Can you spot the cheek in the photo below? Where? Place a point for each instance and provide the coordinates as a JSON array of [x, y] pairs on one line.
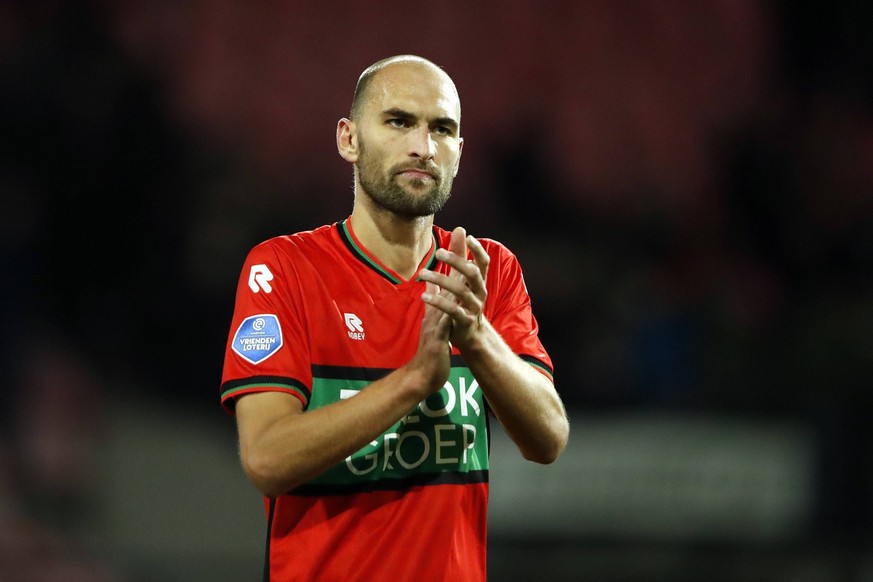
[[451, 157], [375, 154]]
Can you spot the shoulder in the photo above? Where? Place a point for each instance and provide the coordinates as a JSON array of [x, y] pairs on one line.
[[299, 242], [286, 262], [292, 255]]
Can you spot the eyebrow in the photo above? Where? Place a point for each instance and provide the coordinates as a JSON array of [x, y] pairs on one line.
[[401, 114]]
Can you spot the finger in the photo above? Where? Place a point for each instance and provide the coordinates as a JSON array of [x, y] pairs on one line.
[[430, 289], [470, 272], [458, 242], [460, 266], [455, 298], [449, 307], [446, 283], [480, 255], [435, 318], [458, 247]]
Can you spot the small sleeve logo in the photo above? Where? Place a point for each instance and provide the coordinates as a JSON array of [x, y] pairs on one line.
[[258, 337], [259, 279]]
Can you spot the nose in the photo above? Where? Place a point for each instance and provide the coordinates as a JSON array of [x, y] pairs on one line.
[[421, 143]]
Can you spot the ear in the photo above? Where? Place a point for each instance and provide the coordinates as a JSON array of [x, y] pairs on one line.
[[458, 161], [347, 140]]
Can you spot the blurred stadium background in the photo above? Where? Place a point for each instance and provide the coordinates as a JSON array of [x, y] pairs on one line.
[[687, 184]]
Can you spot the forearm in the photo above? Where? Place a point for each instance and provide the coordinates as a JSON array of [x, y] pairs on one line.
[[523, 400], [296, 447]]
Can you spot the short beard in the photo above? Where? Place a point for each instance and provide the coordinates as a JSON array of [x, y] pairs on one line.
[[387, 193]]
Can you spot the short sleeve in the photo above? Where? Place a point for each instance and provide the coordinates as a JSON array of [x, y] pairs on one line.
[[267, 347], [511, 313]]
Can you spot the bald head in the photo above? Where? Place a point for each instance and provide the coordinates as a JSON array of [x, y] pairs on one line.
[[364, 87]]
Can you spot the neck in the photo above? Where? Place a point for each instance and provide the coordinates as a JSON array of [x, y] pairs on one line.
[[399, 242]]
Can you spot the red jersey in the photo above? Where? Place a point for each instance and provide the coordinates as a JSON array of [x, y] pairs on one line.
[[319, 317]]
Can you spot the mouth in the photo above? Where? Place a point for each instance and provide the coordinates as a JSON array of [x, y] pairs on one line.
[[415, 173]]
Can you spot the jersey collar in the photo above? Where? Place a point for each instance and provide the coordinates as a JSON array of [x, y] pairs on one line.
[[348, 237]]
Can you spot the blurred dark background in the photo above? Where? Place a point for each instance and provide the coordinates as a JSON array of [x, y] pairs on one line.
[[686, 183]]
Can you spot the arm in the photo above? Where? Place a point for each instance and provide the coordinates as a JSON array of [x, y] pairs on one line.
[[281, 446], [523, 400]]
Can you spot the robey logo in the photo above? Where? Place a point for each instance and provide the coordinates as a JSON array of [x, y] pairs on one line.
[[355, 325], [259, 278]]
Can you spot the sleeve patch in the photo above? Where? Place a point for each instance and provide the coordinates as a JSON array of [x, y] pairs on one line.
[[258, 337]]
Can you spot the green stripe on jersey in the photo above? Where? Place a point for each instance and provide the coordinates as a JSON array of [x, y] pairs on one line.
[[447, 432]]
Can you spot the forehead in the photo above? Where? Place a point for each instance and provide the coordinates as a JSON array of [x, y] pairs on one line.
[[416, 88]]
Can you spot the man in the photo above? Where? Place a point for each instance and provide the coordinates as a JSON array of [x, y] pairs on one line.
[[365, 358]]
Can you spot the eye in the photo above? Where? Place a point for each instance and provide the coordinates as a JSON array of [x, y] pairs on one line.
[[396, 122], [444, 131]]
